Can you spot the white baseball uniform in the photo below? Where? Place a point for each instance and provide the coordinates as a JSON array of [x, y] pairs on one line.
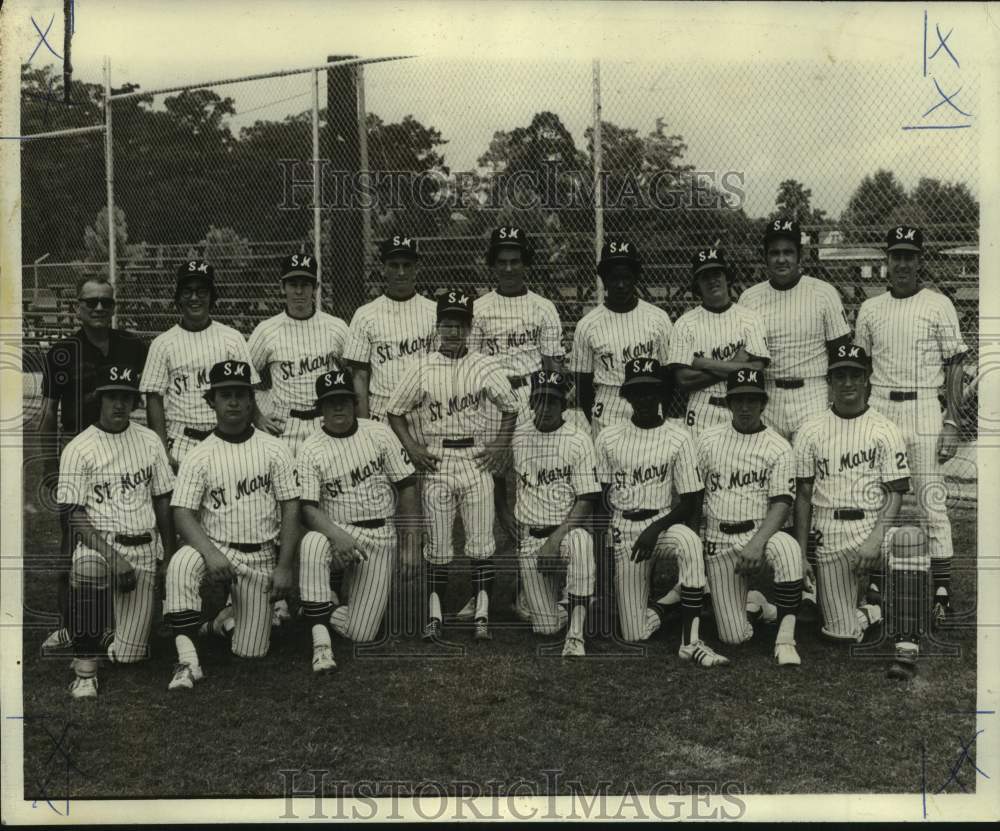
[[646, 469], [177, 368], [604, 341], [552, 470], [451, 393], [719, 335], [352, 480], [235, 487], [909, 339], [850, 461], [296, 352], [743, 474], [798, 321], [114, 477]]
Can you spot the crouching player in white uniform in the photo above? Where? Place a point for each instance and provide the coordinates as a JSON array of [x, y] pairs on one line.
[[749, 475], [351, 471], [556, 488], [115, 481]]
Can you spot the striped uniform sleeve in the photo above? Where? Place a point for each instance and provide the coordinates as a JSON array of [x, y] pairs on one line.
[[156, 375], [782, 482], [407, 396], [357, 344], [804, 454], [585, 466], [397, 463], [894, 467], [163, 474], [581, 356], [551, 339], [946, 330], [75, 474], [754, 337], [863, 328], [498, 389], [189, 489], [310, 472], [602, 457], [283, 474], [703, 456], [666, 330], [243, 354], [259, 346], [341, 333], [477, 334], [687, 479], [681, 351], [834, 318]]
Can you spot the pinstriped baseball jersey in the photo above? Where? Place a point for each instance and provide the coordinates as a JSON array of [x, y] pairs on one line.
[[850, 458], [646, 468], [114, 476], [552, 470], [798, 321], [909, 338], [517, 330], [390, 336], [744, 472], [297, 352], [236, 486], [452, 392], [178, 364], [350, 477], [605, 341]]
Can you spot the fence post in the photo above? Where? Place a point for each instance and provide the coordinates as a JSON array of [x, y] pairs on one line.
[[317, 192], [598, 164], [364, 174], [109, 171]]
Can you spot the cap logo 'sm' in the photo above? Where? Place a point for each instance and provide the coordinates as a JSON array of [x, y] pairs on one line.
[[462, 300], [237, 369], [510, 233], [905, 233], [782, 226], [709, 254], [305, 261], [619, 248], [124, 375], [403, 242], [748, 376], [642, 366]]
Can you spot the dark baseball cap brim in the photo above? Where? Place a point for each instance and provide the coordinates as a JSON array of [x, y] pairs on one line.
[[232, 382], [855, 362], [703, 267], [188, 276], [298, 272], [904, 246], [538, 392], [112, 387], [338, 391], [746, 389], [638, 383], [399, 254]]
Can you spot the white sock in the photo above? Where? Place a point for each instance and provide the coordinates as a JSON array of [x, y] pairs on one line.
[[339, 618], [434, 606], [576, 621], [186, 653], [321, 635], [786, 630], [85, 667], [874, 615], [562, 616], [653, 622], [482, 605]]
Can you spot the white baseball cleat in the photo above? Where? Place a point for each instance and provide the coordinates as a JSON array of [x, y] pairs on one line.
[[323, 659], [280, 613], [468, 611], [185, 676], [573, 648], [701, 654], [57, 641], [786, 654], [482, 632], [83, 687], [758, 604]]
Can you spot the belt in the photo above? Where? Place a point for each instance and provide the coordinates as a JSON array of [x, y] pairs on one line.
[[466, 442], [542, 532], [196, 434], [137, 539], [736, 527], [902, 395], [638, 516], [248, 547], [518, 381], [716, 401], [368, 523], [305, 415], [848, 513], [789, 383]]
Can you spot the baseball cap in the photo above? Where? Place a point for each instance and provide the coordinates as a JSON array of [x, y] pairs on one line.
[[849, 354], [299, 265], [399, 245], [509, 236], [783, 228], [705, 259], [742, 381], [335, 382], [195, 270], [640, 372], [118, 377], [619, 252], [904, 238], [454, 302], [548, 383], [229, 374]]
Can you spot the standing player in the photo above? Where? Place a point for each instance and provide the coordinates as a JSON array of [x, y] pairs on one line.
[[749, 475], [913, 337], [713, 340], [803, 318], [355, 477], [556, 489], [294, 348], [607, 338], [114, 484], [392, 333], [643, 464], [452, 386], [235, 492]]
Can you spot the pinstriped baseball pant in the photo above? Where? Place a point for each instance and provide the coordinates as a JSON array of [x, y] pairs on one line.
[[787, 409], [378, 405], [577, 550], [297, 430], [358, 620], [459, 485]]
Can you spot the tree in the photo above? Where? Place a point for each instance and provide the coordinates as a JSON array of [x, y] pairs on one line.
[[870, 207], [95, 237], [222, 244], [951, 206], [793, 200]]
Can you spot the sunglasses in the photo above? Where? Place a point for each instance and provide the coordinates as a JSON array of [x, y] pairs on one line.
[[94, 302]]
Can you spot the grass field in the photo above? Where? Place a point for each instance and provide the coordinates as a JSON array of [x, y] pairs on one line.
[[499, 712]]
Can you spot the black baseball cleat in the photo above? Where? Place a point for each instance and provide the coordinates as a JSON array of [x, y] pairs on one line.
[[873, 596], [482, 632], [904, 666], [941, 611]]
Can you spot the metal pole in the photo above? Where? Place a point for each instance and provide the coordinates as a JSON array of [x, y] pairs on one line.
[[598, 164], [317, 190], [366, 210], [44, 257], [109, 167]]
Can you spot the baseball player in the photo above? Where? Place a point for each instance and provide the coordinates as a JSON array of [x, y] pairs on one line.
[[451, 386], [851, 472], [642, 465], [555, 472], [392, 333], [114, 483], [713, 340], [607, 338], [749, 476], [803, 318], [913, 337], [355, 477], [232, 492]]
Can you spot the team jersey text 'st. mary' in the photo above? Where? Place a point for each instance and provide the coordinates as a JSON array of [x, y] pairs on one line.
[[849, 459], [646, 468], [517, 330], [799, 321], [909, 338], [744, 472], [114, 476], [296, 352], [451, 392], [605, 341], [551, 470], [351, 477], [236, 486], [389, 335], [178, 365]]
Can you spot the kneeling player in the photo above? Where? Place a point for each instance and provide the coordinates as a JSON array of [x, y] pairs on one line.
[[351, 471], [231, 491], [115, 481], [642, 464], [748, 471], [556, 488]]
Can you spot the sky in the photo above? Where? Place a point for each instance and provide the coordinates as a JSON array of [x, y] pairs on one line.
[[815, 92]]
